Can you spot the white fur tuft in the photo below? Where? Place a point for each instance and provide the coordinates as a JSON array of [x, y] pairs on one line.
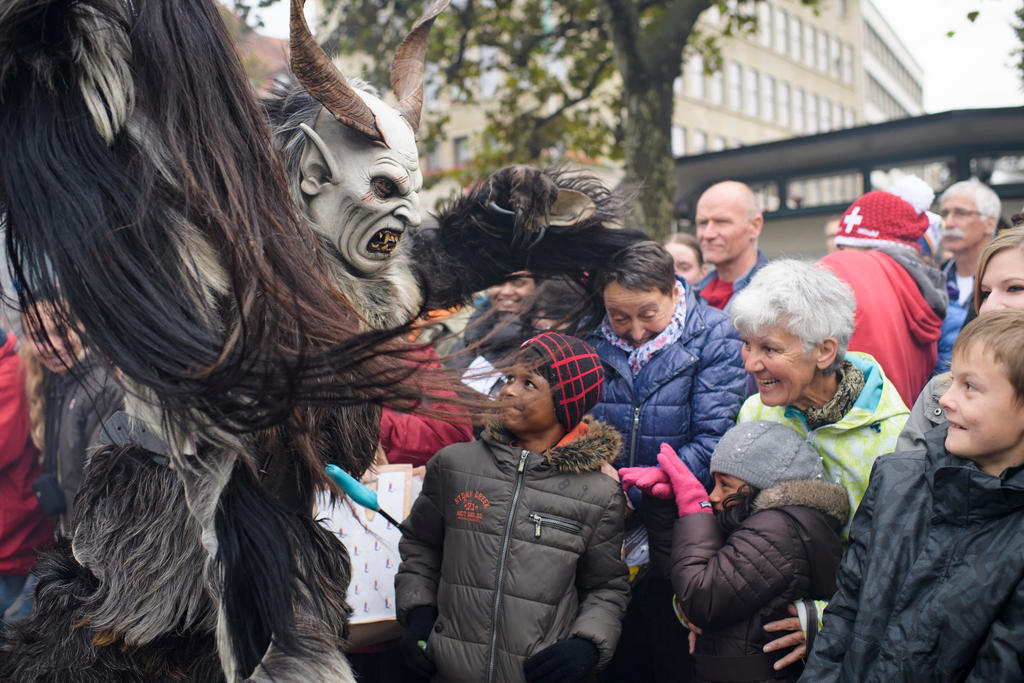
[[913, 191]]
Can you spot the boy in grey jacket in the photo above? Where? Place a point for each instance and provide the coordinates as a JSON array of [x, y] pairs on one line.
[[511, 557]]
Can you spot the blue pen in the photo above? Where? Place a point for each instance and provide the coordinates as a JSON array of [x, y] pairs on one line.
[[357, 492]]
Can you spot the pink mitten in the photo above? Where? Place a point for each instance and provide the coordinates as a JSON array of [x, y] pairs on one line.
[[690, 494], [651, 480]]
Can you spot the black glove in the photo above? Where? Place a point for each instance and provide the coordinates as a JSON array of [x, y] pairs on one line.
[[417, 629], [566, 660]]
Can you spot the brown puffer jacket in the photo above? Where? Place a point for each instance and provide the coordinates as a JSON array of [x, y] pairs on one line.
[[731, 586], [517, 551]]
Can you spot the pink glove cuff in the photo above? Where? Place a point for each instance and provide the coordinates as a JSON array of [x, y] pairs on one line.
[[689, 492]]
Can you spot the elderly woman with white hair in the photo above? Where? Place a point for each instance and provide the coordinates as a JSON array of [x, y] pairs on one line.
[[796, 321]]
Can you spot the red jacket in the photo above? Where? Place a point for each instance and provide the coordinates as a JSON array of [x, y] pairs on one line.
[[23, 526], [893, 322]]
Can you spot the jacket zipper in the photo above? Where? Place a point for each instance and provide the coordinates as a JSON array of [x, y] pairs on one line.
[[501, 562], [540, 520], [632, 438]]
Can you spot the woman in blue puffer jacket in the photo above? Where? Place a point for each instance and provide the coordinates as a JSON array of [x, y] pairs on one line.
[[673, 374]]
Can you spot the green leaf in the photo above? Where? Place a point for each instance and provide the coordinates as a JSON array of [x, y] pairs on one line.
[[971, 16]]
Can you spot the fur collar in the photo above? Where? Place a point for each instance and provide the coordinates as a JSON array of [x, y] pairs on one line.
[[813, 493], [585, 453]]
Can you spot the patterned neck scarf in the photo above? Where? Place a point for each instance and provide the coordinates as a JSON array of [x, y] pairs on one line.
[[851, 383], [639, 355]]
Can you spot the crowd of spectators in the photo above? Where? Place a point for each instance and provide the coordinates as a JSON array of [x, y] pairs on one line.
[[794, 516]]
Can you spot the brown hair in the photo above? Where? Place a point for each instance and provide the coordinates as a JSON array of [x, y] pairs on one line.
[[641, 267], [687, 240], [1009, 239], [1001, 333]]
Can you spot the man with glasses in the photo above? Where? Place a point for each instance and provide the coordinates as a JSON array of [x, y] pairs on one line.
[[970, 210]]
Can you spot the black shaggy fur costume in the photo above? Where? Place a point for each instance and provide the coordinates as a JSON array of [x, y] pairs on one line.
[[140, 191]]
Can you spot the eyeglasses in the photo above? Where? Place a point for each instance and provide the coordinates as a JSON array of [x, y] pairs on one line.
[[958, 213]]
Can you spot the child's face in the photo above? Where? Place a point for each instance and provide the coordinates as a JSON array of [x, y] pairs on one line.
[[531, 408], [725, 486], [986, 423]]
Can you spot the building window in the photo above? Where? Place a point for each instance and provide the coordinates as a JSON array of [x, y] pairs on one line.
[[812, 114], [781, 31], [796, 47], [798, 110], [836, 55], [678, 141], [783, 107], [460, 148], [850, 119], [809, 45], [764, 23], [695, 67], [837, 116], [753, 96], [847, 64], [822, 51], [717, 88], [431, 161], [490, 74], [769, 98], [717, 143], [735, 86], [677, 86], [700, 142], [825, 115]]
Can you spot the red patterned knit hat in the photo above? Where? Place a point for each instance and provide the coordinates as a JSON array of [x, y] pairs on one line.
[[880, 218], [574, 371]]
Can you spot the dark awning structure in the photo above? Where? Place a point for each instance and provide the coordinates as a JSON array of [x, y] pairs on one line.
[[841, 165]]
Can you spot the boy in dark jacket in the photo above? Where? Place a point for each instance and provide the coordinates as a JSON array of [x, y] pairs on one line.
[[511, 567], [930, 588]]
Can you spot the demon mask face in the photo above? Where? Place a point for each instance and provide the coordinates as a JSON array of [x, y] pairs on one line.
[[362, 195], [360, 174]]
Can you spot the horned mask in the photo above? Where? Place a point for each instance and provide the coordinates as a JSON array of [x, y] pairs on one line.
[[360, 174]]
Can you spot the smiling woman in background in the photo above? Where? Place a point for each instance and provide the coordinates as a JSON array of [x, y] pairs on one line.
[[796, 321]]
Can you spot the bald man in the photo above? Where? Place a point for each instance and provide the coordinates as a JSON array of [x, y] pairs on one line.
[[729, 222]]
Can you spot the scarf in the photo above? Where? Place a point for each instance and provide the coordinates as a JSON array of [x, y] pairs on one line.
[[851, 383]]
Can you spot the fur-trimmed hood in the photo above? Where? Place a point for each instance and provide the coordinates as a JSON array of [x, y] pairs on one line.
[[818, 494], [598, 444]]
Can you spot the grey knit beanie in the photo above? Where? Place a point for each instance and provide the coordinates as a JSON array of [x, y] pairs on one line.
[[765, 454]]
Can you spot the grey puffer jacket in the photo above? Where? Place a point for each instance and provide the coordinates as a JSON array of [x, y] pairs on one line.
[[732, 585], [930, 588], [925, 415], [517, 551]]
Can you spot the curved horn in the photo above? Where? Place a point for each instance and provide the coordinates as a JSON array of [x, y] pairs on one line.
[[407, 66], [317, 74]]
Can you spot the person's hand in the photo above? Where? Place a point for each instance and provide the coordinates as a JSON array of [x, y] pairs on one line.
[[651, 480], [566, 660], [794, 638], [691, 638], [689, 492], [417, 630]]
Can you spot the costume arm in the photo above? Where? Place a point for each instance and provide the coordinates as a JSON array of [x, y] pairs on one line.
[[502, 227], [602, 579], [720, 580], [718, 392], [421, 546], [830, 645]]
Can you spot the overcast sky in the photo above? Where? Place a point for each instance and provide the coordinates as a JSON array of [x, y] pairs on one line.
[[971, 69]]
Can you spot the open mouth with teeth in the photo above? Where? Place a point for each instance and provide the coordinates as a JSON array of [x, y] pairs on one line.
[[384, 241]]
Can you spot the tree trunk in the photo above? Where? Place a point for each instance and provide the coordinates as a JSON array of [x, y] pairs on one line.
[[648, 149]]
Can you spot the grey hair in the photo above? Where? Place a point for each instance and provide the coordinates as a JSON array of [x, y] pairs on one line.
[[808, 301], [985, 198]]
